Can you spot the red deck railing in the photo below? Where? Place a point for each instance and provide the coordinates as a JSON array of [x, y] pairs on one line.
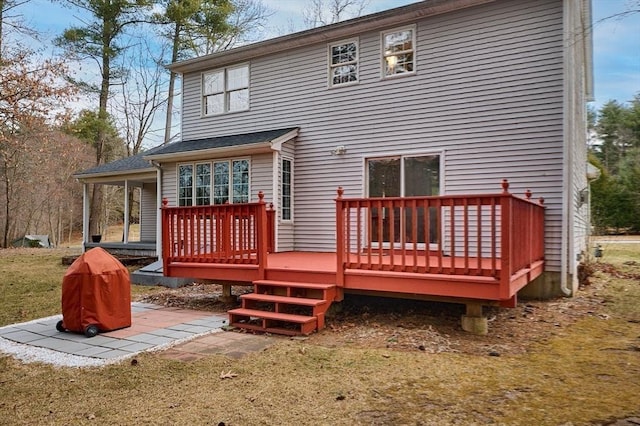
[[225, 233], [483, 235]]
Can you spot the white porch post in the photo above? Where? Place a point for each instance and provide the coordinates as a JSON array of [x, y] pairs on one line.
[[159, 212], [85, 215], [125, 237]]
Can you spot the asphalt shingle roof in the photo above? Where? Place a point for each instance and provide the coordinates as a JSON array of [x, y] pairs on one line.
[[138, 162], [222, 141], [128, 164]]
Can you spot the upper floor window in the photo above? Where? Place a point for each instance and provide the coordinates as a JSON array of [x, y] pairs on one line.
[[343, 62], [225, 90], [217, 182], [398, 51]]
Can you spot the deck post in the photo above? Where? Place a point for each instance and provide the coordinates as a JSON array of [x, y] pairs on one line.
[[506, 245], [340, 241], [166, 241], [262, 236], [474, 321]]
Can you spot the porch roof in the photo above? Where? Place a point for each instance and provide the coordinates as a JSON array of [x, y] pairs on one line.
[[245, 143], [134, 167]]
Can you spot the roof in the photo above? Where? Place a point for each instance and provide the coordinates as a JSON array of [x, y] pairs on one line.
[[128, 165], [247, 142], [384, 19]]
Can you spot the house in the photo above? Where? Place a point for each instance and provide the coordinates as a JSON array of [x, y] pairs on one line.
[[392, 154]]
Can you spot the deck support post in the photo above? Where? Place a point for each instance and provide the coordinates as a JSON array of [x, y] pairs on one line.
[[227, 297], [474, 321]]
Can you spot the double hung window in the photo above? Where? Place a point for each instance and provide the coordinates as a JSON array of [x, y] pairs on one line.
[[343, 63], [398, 52], [225, 90]]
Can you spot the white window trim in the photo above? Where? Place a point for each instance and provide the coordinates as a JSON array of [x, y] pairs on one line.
[[383, 75], [214, 160], [226, 92], [291, 209], [330, 66]]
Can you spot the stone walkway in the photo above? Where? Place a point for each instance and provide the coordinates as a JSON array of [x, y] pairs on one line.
[[181, 333]]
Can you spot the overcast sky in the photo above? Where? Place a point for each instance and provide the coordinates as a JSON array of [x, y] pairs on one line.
[[616, 40]]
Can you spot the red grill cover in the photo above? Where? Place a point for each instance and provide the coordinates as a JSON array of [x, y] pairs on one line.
[[96, 290]]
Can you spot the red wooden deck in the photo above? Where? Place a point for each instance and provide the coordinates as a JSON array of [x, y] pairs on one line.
[[482, 247]]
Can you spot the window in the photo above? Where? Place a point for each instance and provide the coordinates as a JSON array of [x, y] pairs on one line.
[[404, 177], [220, 178], [343, 63], [225, 90], [185, 185], [398, 48], [203, 184], [286, 189]]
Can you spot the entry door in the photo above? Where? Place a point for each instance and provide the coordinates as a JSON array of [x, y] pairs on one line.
[[403, 176]]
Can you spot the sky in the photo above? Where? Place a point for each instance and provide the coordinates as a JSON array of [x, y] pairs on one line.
[[616, 40]]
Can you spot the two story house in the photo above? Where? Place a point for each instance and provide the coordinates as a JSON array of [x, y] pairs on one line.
[[390, 154]]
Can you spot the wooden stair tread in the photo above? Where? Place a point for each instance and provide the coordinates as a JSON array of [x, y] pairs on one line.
[[302, 301], [295, 284], [300, 319]]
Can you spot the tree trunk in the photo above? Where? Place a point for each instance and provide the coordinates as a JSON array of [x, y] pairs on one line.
[[172, 80]]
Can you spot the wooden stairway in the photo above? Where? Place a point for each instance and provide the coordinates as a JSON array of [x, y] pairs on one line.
[[283, 307]]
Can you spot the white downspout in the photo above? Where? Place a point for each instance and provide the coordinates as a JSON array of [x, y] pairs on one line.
[[567, 139]]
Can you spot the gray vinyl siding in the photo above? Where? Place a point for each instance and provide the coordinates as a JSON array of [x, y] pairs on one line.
[[488, 93], [148, 212], [261, 177]]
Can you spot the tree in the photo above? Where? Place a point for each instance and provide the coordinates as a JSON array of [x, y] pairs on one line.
[[325, 12], [201, 27], [100, 40], [13, 21], [179, 24], [616, 194], [31, 92], [611, 130], [141, 98]]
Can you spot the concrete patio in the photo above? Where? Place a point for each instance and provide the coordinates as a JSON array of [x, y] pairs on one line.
[[184, 334]]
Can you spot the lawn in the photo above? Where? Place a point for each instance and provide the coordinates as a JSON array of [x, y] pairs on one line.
[[579, 371]]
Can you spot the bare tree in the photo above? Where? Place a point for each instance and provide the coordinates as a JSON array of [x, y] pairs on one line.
[[30, 95], [325, 12], [245, 25], [142, 97], [9, 18]]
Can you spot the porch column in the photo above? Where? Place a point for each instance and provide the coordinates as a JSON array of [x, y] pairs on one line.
[[125, 236], [159, 212], [85, 215]]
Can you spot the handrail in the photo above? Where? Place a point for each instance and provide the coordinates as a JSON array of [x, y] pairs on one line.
[[224, 233], [479, 235]]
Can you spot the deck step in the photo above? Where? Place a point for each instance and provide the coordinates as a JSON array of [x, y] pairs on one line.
[[270, 298], [284, 307], [273, 322], [313, 286]]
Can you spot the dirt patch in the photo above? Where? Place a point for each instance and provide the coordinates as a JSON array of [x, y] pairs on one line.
[[409, 325]]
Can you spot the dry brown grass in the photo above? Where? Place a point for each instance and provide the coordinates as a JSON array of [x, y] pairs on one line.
[[583, 371]]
